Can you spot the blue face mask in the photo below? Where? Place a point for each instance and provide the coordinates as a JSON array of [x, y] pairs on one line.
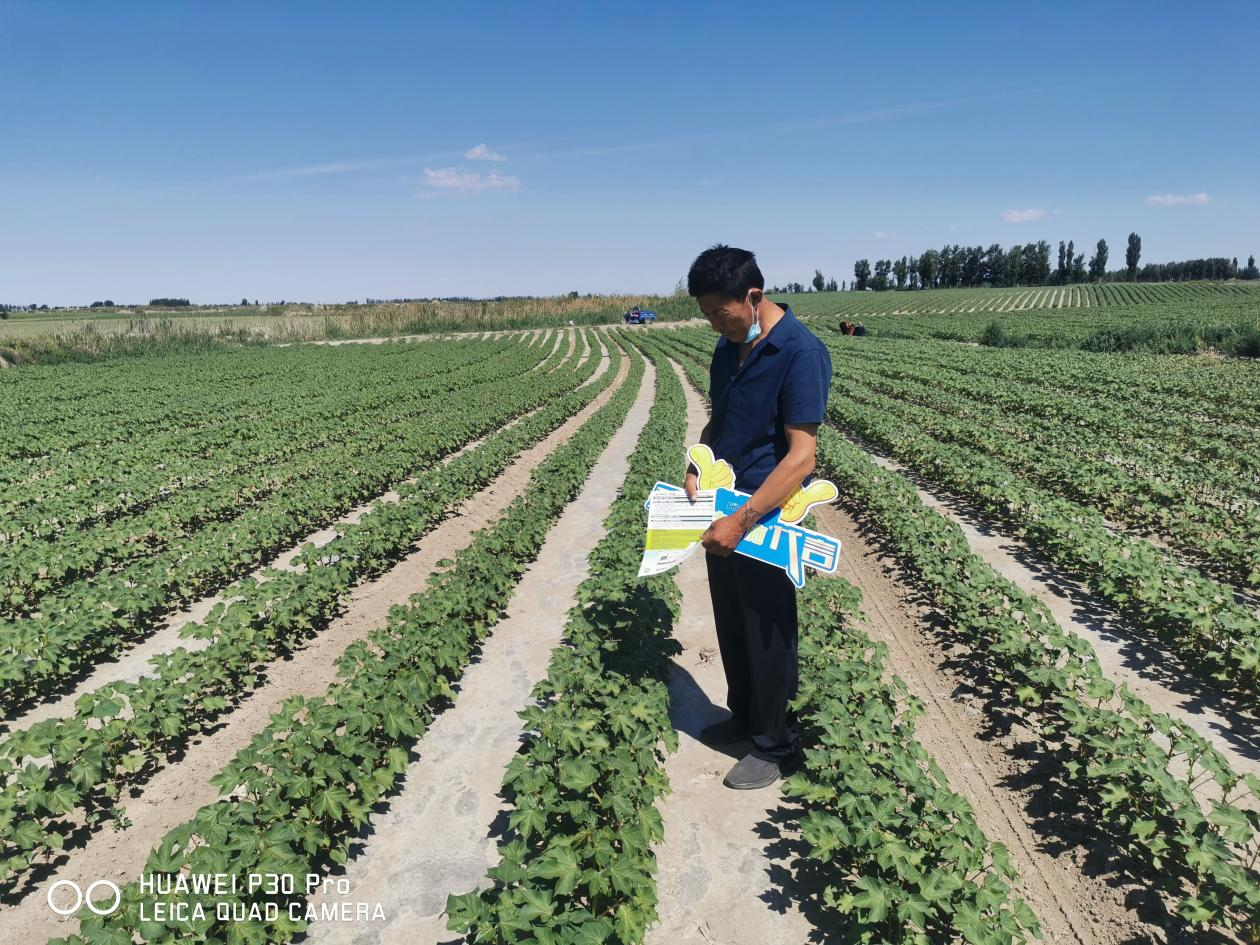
[[754, 330]]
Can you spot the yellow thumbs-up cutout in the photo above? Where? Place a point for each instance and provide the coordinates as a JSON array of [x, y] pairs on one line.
[[799, 503], [713, 473]]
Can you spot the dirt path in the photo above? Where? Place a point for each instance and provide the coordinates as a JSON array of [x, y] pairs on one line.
[[986, 769], [714, 874], [439, 834], [178, 791], [138, 661], [1127, 655]]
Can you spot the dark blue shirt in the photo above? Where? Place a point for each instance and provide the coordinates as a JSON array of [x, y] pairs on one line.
[[784, 380]]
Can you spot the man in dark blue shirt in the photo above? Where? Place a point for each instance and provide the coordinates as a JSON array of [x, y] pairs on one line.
[[768, 384]]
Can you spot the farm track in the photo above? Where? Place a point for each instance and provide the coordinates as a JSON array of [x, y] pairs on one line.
[[177, 791], [435, 839], [715, 874], [134, 664]]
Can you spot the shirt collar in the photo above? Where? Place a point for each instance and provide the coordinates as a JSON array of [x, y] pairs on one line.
[[778, 335]]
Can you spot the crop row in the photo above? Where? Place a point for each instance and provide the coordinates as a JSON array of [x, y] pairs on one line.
[[1127, 396], [294, 799], [65, 415], [1165, 797], [1193, 614], [576, 863], [1038, 386], [1221, 531], [62, 773], [32, 568], [99, 616], [122, 470]]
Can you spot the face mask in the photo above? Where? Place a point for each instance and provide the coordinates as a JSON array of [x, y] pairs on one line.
[[754, 330]]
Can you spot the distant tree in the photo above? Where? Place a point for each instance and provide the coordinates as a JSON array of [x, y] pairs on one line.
[[929, 266], [244, 302], [972, 266], [1251, 272], [1062, 270], [901, 269], [1078, 267], [573, 294], [1132, 254], [172, 303], [861, 274], [882, 268], [819, 281], [832, 286], [1015, 265], [108, 303], [844, 286], [1098, 262], [993, 266]]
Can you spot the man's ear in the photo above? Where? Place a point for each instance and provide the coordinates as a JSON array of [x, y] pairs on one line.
[[755, 296]]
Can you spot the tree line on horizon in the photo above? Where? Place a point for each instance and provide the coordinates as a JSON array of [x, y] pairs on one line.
[[1024, 264]]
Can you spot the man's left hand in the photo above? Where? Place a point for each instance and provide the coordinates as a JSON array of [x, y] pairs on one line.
[[722, 536]]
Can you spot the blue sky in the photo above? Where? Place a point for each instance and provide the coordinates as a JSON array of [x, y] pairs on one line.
[[329, 151]]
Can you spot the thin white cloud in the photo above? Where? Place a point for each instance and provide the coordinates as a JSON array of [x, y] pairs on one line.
[[483, 153], [1173, 200], [880, 235], [1023, 216], [450, 180], [342, 167]]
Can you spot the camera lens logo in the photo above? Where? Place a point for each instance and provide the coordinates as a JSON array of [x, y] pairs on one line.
[[80, 897]]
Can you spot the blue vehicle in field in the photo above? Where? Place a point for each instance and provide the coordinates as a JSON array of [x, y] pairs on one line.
[[638, 316]]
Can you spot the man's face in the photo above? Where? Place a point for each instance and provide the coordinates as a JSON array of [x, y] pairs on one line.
[[730, 318]]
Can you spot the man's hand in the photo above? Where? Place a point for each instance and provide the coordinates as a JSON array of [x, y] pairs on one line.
[[722, 536], [691, 483]]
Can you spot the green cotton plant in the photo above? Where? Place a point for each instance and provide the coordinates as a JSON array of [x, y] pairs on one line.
[[1196, 834], [1117, 461], [901, 853], [294, 799], [1195, 615], [123, 732], [103, 614], [577, 865], [83, 515]]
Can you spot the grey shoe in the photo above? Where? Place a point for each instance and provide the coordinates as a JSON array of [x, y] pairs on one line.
[[751, 772], [726, 732]]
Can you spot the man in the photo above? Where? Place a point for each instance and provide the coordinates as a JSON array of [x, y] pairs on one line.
[[768, 383]]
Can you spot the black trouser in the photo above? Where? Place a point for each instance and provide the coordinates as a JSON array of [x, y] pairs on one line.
[[754, 608]]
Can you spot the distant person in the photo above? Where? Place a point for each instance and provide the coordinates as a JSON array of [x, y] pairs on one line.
[[859, 329], [846, 327], [768, 382]]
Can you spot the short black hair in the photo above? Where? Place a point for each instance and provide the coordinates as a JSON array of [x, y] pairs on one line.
[[728, 271]]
